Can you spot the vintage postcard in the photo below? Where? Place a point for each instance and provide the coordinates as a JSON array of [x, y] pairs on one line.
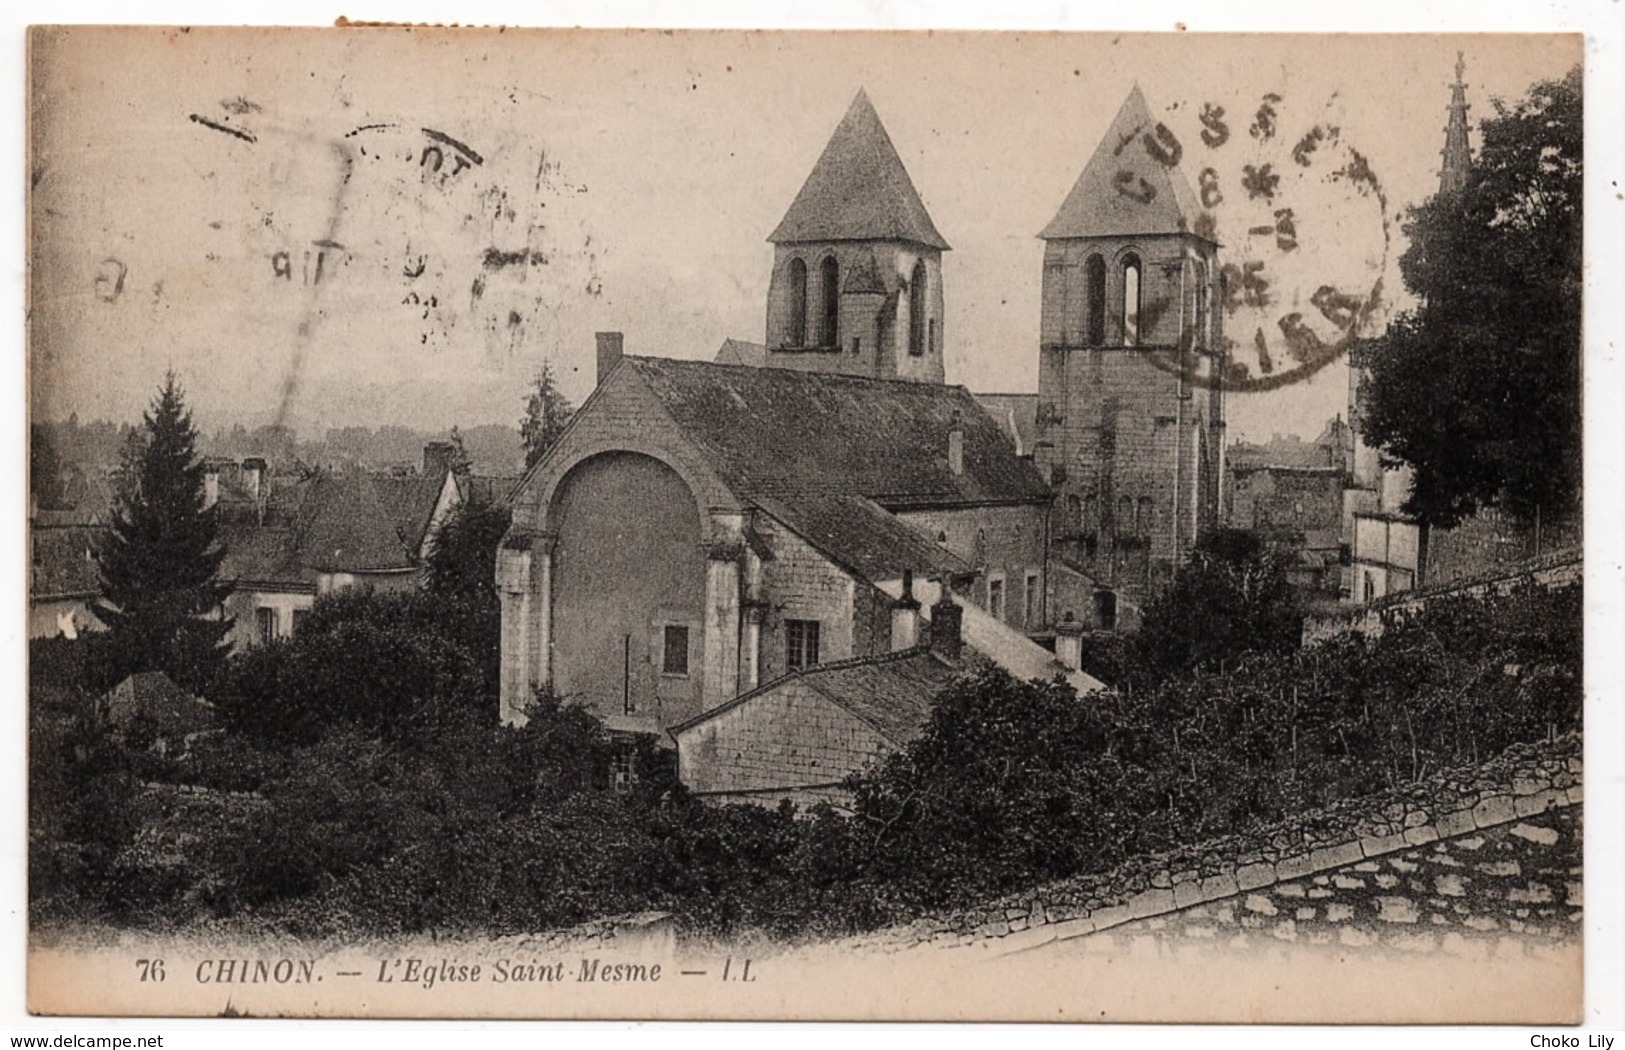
[[780, 525]]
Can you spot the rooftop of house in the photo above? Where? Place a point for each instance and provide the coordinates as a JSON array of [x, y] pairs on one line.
[[1125, 189], [63, 562], [892, 694], [1329, 451], [859, 190]]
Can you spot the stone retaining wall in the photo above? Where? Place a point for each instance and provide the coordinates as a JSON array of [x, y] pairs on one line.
[[1555, 571], [1524, 782]]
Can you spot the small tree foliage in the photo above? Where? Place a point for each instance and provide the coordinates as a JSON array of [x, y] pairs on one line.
[[1231, 597], [160, 597]]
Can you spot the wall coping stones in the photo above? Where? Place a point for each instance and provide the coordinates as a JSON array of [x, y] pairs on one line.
[[1513, 785]]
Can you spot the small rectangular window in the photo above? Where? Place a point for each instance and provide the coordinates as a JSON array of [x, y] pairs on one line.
[[800, 643], [1031, 602], [299, 618], [674, 651], [265, 624], [995, 598]]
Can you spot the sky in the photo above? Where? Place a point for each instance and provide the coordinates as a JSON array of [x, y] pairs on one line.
[[363, 227]]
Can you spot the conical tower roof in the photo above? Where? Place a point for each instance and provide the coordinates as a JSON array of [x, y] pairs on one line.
[[858, 190], [1124, 190]]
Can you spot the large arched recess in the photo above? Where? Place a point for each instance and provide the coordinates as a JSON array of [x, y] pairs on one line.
[[628, 562]]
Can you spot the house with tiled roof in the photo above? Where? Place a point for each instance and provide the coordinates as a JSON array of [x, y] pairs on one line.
[[290, 538], [800, 736]]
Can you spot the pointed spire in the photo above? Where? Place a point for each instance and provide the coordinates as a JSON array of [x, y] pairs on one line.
[[858, 190], [1132, 185], [1458, 155]]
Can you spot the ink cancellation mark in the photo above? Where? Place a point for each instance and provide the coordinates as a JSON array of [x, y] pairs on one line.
[[1308, 229]]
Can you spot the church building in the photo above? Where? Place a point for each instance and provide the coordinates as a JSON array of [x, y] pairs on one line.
[[1133, 447], [703, 530]]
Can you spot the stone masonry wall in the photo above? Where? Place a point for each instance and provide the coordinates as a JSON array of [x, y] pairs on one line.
[[799, 583], [1003, 541], [1401, 858], [1560, 569], [785, 736]]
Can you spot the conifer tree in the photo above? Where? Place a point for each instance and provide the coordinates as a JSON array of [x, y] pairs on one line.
[[547, 413], [160, 597]]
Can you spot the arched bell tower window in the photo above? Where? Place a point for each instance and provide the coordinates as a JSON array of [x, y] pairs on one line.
[[1095, 288], [1131, 300], [917, 310], [797, 335], [829, 301]]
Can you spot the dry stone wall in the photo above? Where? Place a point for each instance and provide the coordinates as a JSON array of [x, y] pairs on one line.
[[1505, 833]]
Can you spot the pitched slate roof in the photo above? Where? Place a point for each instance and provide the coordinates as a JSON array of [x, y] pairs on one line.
[[410, 502], [862, 536], [858, 190], [63, 566], [778, 433], [741, 352], [893, 693], [1017, 414], [345, 527], [1124, 190]]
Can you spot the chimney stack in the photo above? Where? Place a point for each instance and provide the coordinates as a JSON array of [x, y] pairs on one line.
[[254, 477], [1069, 642], [956, 447], [211, 484], [947, 622], [905, 617], [609, 354]]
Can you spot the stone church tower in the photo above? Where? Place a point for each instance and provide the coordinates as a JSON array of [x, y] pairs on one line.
[[857, 265], [1134, 449]]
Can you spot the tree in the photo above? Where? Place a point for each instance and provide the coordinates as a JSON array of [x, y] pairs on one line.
[[460, 575], [160, 598], [547, 413], [1231, 597], [1478, 387]]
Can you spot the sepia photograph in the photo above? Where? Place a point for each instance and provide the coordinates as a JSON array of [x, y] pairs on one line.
[[787, 525]]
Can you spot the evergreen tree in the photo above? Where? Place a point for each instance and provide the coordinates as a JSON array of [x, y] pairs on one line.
[[547, 413], [160, 598]]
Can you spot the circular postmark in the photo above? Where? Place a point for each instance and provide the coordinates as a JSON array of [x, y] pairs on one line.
[[1303, 226]]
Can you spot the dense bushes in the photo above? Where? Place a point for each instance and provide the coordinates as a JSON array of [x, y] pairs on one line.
[[403, 807]]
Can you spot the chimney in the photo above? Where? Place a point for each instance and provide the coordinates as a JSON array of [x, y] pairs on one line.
[[1069, 642], [211, 484], [905, 617], [609, 353], [947, 620], [254, 477], [437, 457], [956, 447]]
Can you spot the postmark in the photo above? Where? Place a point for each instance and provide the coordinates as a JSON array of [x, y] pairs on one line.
[[1304, 225]]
